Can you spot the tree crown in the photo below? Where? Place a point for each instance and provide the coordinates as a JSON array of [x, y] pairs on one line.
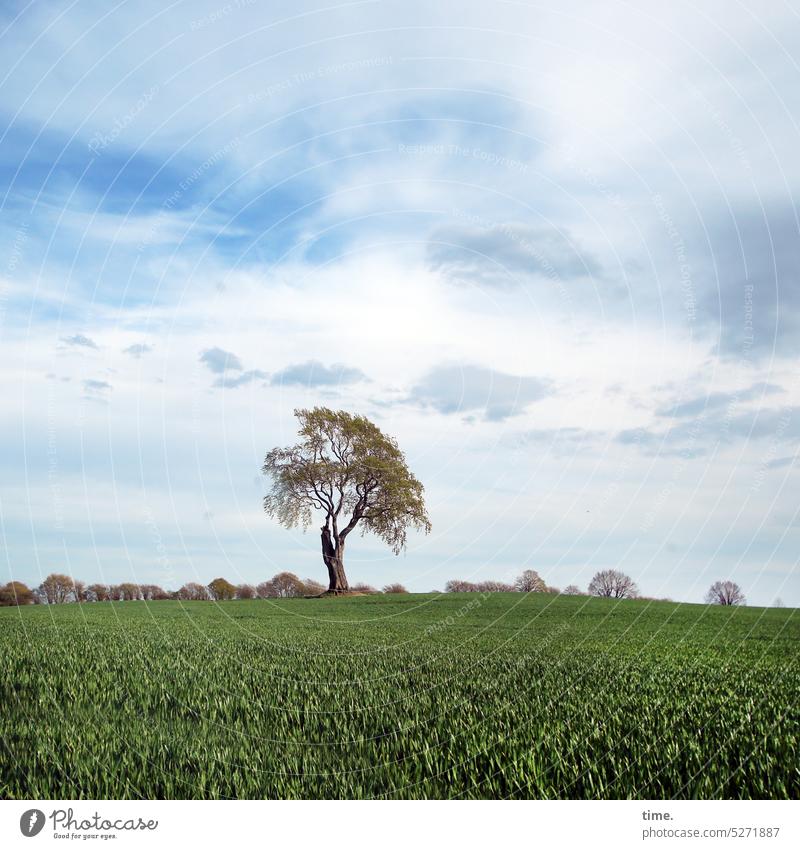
[[345, 466]]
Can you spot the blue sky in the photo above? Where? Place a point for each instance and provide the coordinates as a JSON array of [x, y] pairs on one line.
[[552, 248]]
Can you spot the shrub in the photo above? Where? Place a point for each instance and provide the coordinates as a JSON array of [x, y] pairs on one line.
[[312, 587], [222, 589], [15, 593], [367, 589], [457, 586]]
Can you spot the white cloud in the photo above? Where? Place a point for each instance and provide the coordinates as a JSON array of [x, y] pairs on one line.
[[621, 171], [220, 361]]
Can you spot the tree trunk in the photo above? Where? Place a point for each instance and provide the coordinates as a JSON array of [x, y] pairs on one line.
[[334, 561]]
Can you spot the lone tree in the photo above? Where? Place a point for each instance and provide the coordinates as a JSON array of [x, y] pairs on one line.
[[725, 592], [345, 467], [611, 583]]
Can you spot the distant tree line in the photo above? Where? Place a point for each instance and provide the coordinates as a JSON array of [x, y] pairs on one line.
[[528, 582], [62, 589], [607, 583]]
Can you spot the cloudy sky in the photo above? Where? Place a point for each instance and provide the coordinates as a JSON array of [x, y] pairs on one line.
[[551, 247]]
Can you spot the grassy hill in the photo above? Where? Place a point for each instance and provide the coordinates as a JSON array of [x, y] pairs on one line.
[[461, 695]]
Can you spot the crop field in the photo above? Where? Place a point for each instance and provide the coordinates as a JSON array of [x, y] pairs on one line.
[[406, 696]]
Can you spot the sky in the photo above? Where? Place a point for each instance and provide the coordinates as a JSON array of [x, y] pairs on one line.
[[551, 248]]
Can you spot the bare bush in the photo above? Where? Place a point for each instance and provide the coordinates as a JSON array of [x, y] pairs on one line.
[[312, 587], [193, 592], [130, 592], [457, 586], [494, 587], [98, 592]]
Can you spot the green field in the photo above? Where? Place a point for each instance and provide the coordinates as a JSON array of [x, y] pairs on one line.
[[415, 696]]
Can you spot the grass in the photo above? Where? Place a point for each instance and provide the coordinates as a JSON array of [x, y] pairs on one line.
[[432, 696]]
